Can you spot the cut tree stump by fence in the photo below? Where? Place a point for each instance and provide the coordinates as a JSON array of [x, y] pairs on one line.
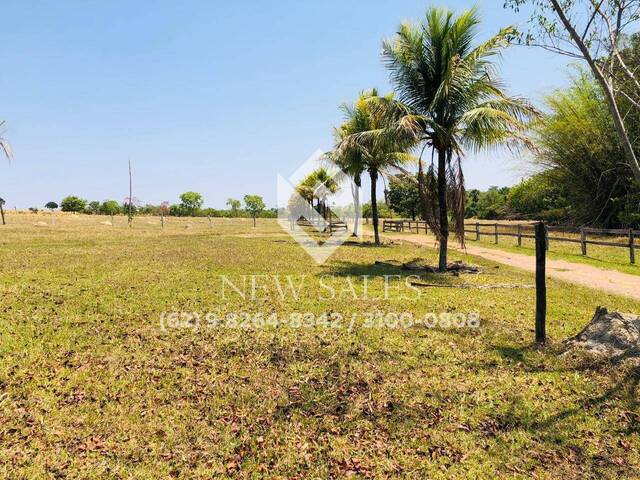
[[541, 285], [632, 247]]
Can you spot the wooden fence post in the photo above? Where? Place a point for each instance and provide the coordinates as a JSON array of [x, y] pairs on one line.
[[632, 247], [583, 240], [496, 232], [477, 230], [519, 235], [541, 286]]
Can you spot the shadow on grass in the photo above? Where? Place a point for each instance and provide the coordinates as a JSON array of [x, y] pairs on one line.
[[351, 269]]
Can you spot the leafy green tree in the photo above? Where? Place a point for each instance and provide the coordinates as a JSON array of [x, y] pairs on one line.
[[403, 196], [581, 153], [51, 205], [383, 211], [458, 102], [191, 202], [471, 203], [73, 204], [492, 203], [254, 204], [110, 207], [92, 208]]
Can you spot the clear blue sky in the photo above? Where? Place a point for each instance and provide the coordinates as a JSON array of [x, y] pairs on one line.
[[211, 96]]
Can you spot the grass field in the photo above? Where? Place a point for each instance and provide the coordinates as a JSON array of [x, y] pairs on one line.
[[93, 386]]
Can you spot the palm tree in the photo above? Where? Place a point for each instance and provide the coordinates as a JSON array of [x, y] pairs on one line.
[[351, 163], [324, 185], [377, 131], [458, 104]]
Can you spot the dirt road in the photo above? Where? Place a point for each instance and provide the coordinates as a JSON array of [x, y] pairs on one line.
[[607, 280]]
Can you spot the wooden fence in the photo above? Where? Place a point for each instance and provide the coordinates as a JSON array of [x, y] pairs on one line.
[[477, 230]]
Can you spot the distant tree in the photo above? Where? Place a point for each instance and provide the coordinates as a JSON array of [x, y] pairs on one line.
[[73, 204], [538, 197], [164, 210], [92, 208], [471, 203], [52, 206], [191, 202], [492, 203], [110, 207], [234, 205], [383, 211], [254, 204], [403, 196]]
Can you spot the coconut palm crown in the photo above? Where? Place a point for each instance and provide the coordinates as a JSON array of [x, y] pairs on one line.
[[450, 84]]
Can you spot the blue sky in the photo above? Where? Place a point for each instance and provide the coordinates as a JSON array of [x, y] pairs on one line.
[[211, 96]]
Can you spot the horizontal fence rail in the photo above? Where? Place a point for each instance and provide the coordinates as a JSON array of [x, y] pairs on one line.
[[624, 238]]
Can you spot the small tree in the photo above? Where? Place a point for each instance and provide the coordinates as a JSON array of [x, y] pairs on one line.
[[73, 204], [164, 210], [403, 196], [234, 205], [191, 202], [93, 207], [254, 204], [52, 206], [110, 207]]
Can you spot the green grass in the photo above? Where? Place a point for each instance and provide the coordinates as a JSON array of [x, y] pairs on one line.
[[92, 387]]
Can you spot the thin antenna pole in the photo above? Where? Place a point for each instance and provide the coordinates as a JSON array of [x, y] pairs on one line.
[[130, 194]]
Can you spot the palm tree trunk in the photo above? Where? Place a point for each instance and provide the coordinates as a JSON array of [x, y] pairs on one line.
[[355, 190], [422, 191], [374, 205], [442, 207]]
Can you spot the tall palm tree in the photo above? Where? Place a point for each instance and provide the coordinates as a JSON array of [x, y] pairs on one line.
[[379, 133], [458, 103]]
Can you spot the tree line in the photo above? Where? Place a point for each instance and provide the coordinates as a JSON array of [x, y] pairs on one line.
[[190, 205]]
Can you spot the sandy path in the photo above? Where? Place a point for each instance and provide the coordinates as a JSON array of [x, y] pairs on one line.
[[607, 280]]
